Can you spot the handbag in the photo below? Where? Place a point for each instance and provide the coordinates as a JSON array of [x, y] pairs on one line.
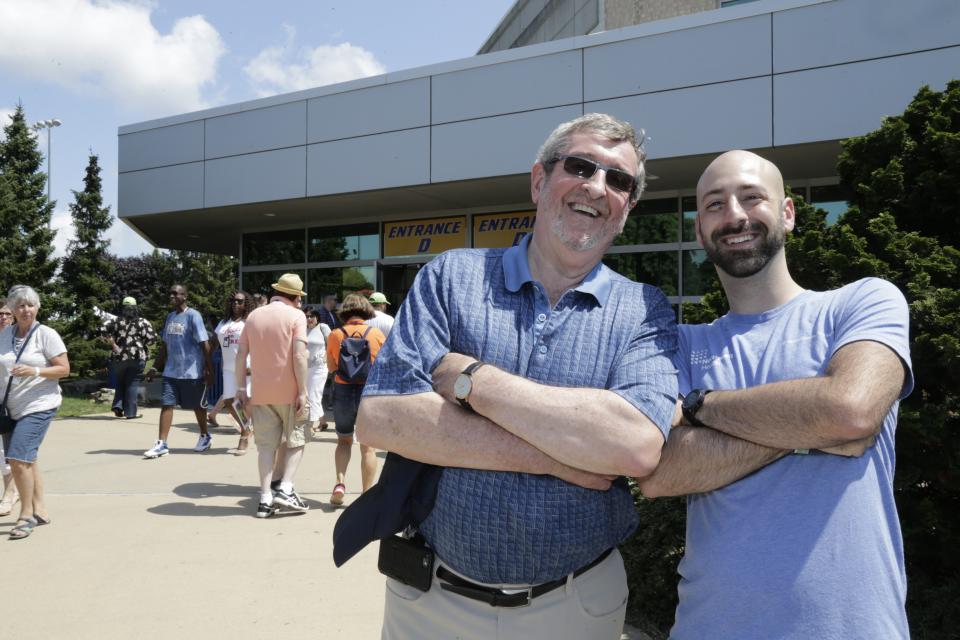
[[7, 423]]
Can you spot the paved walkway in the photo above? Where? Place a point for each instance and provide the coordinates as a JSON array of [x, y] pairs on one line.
[[170, 548]]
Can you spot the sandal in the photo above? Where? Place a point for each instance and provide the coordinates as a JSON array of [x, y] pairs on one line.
[[23, 530], [41, 520], [336, 498]]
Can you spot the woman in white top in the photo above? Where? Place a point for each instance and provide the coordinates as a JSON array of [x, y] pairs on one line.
[[32, 359], [228, 330], [317, 334]]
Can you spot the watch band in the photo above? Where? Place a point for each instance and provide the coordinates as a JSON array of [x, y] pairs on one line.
[[469, 371], [691, 405]]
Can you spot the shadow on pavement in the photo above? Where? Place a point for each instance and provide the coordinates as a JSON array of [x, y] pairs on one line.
[[213, 490], [139, 452], [245, 507]]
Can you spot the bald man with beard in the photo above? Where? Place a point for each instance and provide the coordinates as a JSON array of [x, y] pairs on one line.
[[785, 447]]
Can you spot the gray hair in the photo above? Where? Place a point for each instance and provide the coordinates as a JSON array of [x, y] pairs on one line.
[[22, 293], [601, 124]]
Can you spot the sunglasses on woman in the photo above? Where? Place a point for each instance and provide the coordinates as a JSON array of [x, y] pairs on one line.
[[585, 168]]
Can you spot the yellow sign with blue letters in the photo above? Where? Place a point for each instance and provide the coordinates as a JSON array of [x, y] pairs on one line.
[[423, 237], [496, 230]]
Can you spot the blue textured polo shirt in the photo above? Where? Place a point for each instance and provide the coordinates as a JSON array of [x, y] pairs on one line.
[[607, 333]]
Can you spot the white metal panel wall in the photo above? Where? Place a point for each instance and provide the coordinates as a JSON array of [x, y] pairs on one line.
[[851, 99], [256, 177], [162, 146], [391, 107], [387, 160], [499, 146], [842, 31], [705, 119], [714, 53], [276, 127], [508, 87], [173, 188]]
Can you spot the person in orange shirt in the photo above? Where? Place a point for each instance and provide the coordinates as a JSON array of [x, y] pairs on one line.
[[352, 362]]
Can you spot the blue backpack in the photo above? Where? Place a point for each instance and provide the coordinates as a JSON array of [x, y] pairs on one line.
[[354, 363]]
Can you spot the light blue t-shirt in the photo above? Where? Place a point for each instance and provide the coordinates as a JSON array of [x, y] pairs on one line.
[[606, 333], [183, 333], [810, 545]]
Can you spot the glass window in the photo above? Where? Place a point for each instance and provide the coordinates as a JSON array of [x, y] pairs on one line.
[[689, 206], [340, 281], [273, 247], [345, 242], [650, 222], [658, 268], [831, 198], [698, 273], [260, 281]]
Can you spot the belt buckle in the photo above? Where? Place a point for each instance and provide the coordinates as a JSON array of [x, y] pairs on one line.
[[529, 597], [528, 592]]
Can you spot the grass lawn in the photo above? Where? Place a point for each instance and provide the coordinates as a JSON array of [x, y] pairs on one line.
[[73, 407]]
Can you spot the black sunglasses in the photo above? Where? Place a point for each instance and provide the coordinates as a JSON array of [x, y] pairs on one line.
[[585, 168]]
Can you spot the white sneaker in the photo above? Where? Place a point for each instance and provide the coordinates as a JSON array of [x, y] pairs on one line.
[[203, 443], [159, 449]]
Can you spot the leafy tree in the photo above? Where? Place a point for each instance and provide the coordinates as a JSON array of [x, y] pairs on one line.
[[87, 272], [901, 227], [26, 249]]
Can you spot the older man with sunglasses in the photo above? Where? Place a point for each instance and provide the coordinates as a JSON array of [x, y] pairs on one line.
[[536, 378]]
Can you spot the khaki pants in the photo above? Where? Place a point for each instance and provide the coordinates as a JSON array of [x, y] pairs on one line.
[[590, 607], [276, 423]]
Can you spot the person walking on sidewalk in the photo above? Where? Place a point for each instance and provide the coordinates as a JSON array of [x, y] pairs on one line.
[[317, 335], [381, 319], [348, 386], [32, 359], [228, 330], [129, 337], [184, 359], [275, 338]]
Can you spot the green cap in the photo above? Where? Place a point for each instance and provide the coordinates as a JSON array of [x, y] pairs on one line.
[[129, 301], [378, 298]]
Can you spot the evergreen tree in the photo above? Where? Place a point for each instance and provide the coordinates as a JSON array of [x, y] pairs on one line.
[[26, 239], [87, 272]]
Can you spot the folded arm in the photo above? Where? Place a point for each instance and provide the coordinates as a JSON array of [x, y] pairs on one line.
[[846, 404], [428, 428], [592, 429]]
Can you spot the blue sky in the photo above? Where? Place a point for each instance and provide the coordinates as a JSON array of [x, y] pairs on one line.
[[100, 64]]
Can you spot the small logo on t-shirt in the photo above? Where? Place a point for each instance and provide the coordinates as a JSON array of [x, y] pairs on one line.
[[176, 329]]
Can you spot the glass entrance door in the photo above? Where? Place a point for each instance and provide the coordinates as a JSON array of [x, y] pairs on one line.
[[396, 280]]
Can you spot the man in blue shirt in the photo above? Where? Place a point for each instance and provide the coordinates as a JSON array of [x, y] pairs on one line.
[[184, 359], [785, 540], [535, 376]]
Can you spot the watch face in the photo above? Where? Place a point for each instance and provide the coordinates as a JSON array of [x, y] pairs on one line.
[[462, 386]]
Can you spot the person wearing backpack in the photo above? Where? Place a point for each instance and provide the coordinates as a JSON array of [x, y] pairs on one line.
[[351, 351]]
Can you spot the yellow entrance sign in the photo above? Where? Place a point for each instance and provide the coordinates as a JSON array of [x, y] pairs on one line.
[[419, 237], [495, 230]]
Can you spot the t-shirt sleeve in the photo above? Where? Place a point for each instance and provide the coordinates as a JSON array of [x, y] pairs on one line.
[[199, 330], [300, 328], [645, 375], [52, 344], [681, 359], [874, 309], [419, 339], [149, 335]]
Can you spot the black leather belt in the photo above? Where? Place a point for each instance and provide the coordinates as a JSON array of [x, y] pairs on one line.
[[496, 597]]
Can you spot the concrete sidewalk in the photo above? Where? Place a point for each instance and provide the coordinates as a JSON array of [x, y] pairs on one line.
[[170, 548]]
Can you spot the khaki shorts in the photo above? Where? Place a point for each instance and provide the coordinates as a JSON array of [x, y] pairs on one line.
[[275, 423]]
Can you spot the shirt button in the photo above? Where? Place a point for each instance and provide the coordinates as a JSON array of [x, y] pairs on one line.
[[542, 317], [543, 348]]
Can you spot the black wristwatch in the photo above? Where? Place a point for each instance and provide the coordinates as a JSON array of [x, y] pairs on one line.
[[463, 385], [692, 403]]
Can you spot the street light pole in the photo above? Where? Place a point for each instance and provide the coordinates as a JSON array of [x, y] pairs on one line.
[[48, 125]]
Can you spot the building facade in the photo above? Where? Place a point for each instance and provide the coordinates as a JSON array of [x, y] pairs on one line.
[[354, 186]]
